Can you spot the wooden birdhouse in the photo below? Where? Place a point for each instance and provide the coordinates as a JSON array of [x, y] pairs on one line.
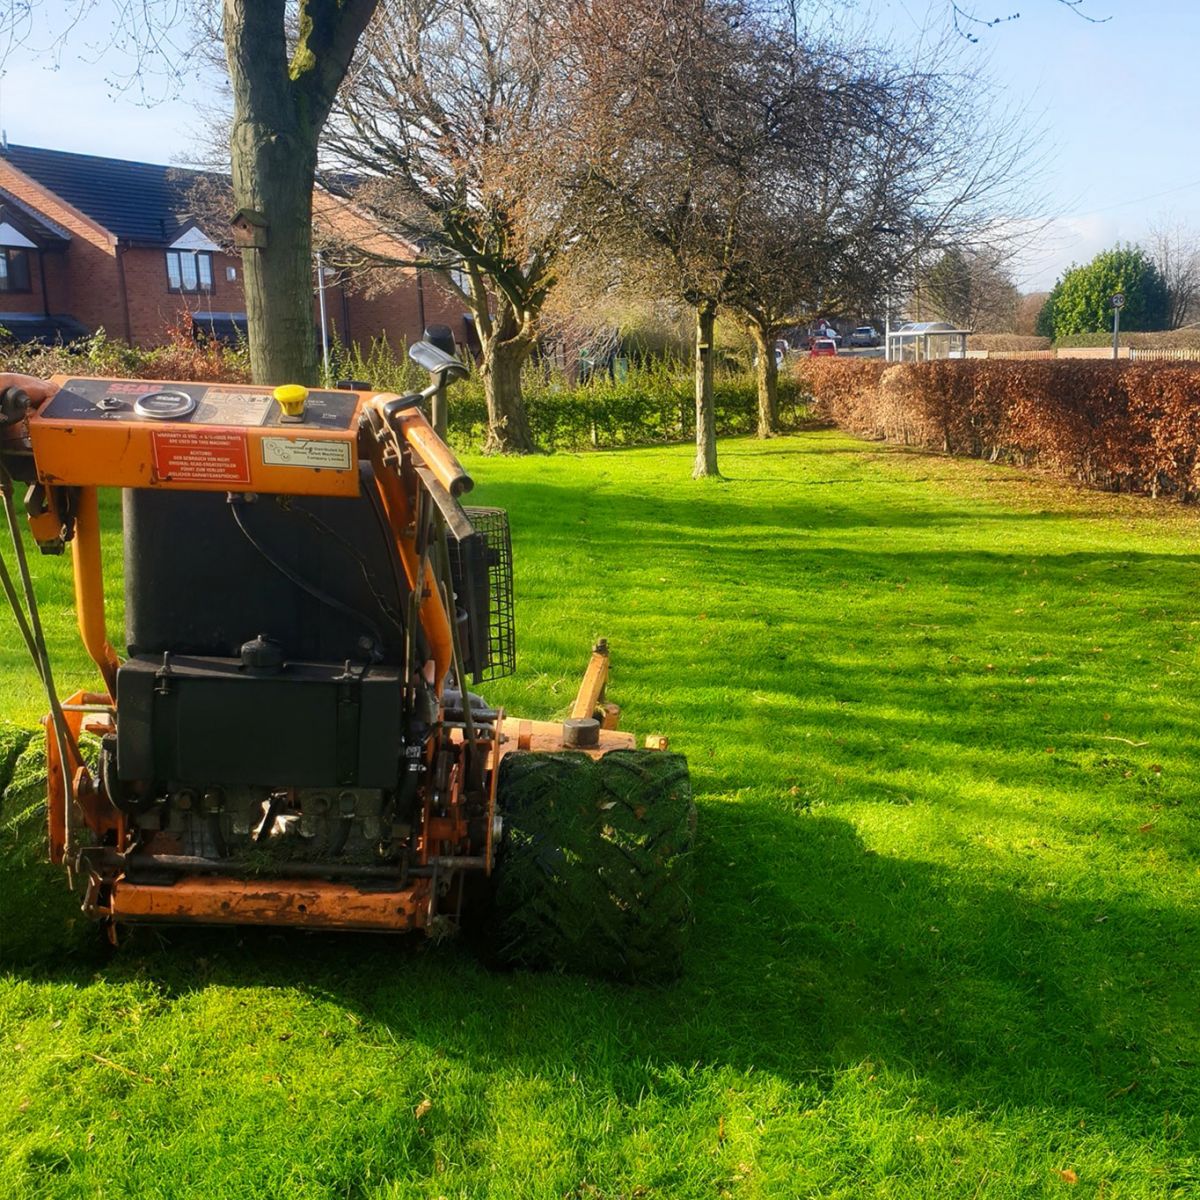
[[249, 229]]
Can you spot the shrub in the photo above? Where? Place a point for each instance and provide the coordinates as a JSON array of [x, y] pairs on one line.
[[1006, 341], [1123, 426], [650, 402], [1080, 300], [1164, 339]]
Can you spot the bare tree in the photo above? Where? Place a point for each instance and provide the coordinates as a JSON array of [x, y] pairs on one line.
[[1176, 252], [1029, 306], [286, 61], [833, 221], [455, 128], [680, 128], [967, 288], [781, 171]]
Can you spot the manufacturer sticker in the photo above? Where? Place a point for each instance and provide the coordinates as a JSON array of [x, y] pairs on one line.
[[306, 452], [201, 456]]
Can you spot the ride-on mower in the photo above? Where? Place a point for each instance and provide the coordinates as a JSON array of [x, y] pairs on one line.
[[290, 739]]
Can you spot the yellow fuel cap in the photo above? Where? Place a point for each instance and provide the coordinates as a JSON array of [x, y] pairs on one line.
[[291, 398]]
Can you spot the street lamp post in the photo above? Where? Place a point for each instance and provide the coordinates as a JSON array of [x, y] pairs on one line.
[[324, 321]]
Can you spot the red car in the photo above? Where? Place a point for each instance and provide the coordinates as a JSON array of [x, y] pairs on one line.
[[822, 347]]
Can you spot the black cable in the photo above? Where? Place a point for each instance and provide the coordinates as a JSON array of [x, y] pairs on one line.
[[305, 586], [354, 553]]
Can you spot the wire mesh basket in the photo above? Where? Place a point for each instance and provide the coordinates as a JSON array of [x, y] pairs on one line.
[[492, 523]]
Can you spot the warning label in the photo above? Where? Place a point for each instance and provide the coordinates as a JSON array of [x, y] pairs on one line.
[[201, 456], [306, 452]]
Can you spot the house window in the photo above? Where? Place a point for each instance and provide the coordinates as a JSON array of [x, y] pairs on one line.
[[189, 271], [14, 270]]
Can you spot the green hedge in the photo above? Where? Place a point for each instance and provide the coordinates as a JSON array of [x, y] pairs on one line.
[[649, 402], [1168, 339]]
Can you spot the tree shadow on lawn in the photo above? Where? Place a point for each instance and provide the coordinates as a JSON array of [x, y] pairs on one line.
[[544, 509]]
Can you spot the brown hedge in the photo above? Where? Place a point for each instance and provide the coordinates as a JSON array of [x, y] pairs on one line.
[[1119, 426]]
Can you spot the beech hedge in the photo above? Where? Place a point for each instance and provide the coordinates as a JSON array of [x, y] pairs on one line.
[[1117, 426]]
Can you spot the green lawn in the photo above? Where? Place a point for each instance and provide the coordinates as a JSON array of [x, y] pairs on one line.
[[944, 729]]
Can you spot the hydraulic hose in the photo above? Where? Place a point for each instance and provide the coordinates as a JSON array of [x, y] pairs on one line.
[[30, 624]]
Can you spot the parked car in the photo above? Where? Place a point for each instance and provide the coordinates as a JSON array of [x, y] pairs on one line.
[[864, 335], [823, 348], [822, 329]]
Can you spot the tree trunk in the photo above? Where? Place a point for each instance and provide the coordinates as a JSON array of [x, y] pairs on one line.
[[279, 109], [273, 175], [706, 420], [508, 427], [273, 154], [768, 382]]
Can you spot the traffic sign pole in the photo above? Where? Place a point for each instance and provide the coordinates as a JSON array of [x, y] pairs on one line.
[[1118, 302]]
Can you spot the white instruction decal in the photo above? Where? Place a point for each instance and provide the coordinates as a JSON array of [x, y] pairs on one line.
[[232, 408], [306, 452]]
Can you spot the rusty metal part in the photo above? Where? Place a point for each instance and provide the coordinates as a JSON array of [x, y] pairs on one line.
[[111, 861], [91, 805], [311, 904], [591, 688], [547, 736]]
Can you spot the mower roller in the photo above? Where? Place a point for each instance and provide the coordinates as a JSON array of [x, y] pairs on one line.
[[290, 738]]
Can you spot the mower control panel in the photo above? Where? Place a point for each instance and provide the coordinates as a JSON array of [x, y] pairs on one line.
[[194, 403], [198, 437]]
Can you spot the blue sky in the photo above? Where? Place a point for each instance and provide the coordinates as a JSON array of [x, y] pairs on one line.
[[1119, 103]]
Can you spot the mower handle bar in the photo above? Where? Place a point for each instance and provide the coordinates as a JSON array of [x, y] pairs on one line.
[[403, 415]]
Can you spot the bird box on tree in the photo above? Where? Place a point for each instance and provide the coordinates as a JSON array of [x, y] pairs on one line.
[[249, 229]]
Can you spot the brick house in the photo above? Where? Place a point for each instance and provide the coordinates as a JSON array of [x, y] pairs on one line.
[[89, 243]]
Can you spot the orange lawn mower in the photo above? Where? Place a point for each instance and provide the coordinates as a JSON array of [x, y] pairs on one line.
[[290, 739]]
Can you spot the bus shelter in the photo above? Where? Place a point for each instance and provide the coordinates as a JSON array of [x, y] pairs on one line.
[[920, 341]]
